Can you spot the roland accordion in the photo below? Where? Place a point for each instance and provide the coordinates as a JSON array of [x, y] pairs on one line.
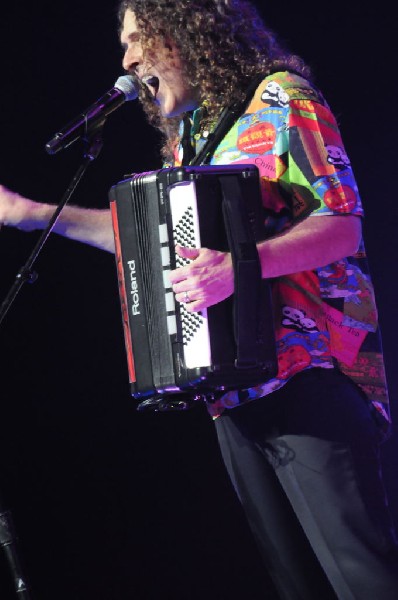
[[175, 357]]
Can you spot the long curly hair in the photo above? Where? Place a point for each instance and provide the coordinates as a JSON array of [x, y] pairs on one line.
[[223, 45]]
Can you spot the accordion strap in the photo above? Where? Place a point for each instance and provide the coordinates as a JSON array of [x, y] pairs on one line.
[[247, 272], [227, 119]]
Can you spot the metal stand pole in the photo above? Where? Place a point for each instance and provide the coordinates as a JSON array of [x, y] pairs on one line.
[[26, 273], [8, 542]]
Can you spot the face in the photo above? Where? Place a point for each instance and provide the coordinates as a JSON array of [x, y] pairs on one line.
[[161, 71]]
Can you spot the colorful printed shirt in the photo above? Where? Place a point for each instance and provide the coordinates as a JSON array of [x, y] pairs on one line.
[[325, 317]]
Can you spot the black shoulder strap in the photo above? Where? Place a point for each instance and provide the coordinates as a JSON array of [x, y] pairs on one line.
[[247, 274], [227, 119]]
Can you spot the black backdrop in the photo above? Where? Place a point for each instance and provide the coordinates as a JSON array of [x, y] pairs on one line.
[[109, 503]]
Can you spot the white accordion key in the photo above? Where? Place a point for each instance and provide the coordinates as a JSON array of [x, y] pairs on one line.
[[169, 294]]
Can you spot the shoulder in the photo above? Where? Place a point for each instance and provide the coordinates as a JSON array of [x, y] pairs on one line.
[[279, 89]]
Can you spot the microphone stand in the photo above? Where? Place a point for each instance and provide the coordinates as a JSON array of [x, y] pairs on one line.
[[93, 144], [26, 274]]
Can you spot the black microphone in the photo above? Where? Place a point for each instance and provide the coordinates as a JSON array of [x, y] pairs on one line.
[[126, 88]]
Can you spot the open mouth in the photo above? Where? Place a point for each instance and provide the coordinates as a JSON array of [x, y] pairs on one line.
[[152, 83]]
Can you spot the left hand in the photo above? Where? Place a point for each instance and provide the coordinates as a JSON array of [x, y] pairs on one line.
[[207, 280]]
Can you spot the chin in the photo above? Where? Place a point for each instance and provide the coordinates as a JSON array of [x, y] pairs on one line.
[[171, 112], [175, 109]]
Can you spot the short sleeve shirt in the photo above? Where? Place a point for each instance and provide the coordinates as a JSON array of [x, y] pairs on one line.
[[327, 316]]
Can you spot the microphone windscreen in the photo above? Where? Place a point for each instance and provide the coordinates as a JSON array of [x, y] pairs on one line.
[[129, 85]]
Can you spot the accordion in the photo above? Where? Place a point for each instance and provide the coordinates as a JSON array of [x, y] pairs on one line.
[[175, 357]]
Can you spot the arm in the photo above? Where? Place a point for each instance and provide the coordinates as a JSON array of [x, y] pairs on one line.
[[315, 242], [90, 226]]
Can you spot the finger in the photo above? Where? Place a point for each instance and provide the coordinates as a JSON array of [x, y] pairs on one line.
[[178, 275], [184, 297], [190, 304], [179, 288], [195, 306], [185, 252]]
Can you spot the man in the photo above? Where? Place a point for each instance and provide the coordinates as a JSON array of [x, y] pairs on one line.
[[301, 449]]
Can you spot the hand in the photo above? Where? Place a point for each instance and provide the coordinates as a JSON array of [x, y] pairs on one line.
[[17, 211], [207, 280]]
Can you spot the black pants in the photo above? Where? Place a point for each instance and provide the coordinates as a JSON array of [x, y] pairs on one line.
[[305, 464]]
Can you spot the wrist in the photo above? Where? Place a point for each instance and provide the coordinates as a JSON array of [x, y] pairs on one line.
[[28, 215]]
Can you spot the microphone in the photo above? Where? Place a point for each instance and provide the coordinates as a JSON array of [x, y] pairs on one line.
[[126, 88]]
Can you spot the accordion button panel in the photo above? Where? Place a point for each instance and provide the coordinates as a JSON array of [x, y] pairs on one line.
[[186, 232]]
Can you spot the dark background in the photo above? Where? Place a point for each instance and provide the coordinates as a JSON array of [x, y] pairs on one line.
[[109, 503]]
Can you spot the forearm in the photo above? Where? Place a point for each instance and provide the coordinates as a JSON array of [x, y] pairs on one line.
[[209, 277], [89, 226], [313, 243]]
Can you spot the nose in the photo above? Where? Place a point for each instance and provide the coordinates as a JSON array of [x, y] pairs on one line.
[[131, 60]]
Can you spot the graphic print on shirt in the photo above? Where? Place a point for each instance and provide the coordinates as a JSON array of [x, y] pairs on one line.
[[289, 132]]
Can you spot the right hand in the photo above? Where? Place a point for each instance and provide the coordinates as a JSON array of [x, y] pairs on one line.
[[17, 211]]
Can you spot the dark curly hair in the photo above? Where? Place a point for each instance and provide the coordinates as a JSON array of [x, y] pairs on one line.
[[223, 44]]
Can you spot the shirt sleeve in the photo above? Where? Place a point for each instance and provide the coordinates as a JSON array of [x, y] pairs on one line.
[[317, 160], [289, 132]]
